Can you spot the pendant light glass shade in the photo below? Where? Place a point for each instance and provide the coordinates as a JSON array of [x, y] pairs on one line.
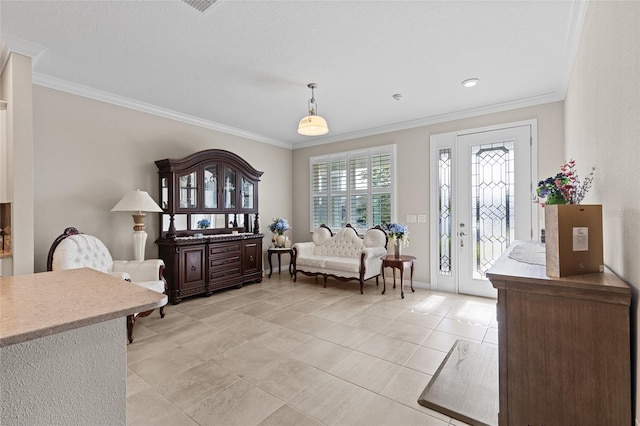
[[313, 124]]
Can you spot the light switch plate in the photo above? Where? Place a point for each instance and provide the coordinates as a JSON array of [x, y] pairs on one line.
[[410, 218], [422, 218]]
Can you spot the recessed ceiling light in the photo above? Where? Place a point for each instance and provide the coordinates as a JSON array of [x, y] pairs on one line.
[[470, 82]]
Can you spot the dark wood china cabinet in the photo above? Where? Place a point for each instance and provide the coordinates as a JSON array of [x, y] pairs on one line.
[[209, 229]]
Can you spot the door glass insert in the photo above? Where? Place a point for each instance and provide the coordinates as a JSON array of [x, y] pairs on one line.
[[444, 210], [492, 203], [211, 187]]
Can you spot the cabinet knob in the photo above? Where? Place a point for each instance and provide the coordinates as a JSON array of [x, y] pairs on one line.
[[193, 267], [251, 258]]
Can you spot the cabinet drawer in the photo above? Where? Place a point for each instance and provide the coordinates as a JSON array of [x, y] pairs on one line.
[[224, 274], [222, 261], [224, 268], [218, 249]]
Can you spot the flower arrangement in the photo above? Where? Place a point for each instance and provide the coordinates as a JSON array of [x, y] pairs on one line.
[[203, 224], [398, 233], [279, 226], [565, 187]]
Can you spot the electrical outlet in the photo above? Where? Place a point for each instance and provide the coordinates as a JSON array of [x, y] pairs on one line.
[[422, 218], [410, 218]]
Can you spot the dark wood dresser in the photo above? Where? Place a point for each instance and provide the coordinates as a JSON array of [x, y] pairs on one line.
[[202, 265], [564, 344], [209, 228]]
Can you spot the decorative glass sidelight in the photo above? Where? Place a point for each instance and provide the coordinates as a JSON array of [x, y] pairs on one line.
[[493, 206], [444, 210]]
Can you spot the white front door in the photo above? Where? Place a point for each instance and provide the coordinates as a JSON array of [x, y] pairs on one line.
[[481, 202]]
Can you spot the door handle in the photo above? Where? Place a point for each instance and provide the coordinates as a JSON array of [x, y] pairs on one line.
[[462, 234]]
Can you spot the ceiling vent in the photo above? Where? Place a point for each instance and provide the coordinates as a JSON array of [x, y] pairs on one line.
[[201, 5]]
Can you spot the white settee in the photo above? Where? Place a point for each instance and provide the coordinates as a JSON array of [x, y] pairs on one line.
[[344, 256]]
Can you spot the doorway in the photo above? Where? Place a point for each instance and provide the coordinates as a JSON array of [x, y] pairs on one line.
[[481, 185]]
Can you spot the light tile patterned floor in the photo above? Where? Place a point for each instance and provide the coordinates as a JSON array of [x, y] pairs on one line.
[[284, 353]]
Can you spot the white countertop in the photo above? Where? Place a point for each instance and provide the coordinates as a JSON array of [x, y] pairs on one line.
[[38, 305]]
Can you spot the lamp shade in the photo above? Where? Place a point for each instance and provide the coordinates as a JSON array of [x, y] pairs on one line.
[[136, 201], [313, 125]]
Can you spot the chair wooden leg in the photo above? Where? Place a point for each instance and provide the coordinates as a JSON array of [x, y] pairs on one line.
[[131, 320], [162, 312]]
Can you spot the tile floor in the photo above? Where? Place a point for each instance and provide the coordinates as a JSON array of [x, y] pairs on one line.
[[284, 353]]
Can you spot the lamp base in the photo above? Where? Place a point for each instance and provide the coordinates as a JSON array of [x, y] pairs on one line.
[[139, 243]]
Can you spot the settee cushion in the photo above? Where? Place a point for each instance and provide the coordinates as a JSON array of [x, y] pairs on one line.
[[347, 264]]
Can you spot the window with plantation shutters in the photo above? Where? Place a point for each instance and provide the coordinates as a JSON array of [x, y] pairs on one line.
[[353, 187]]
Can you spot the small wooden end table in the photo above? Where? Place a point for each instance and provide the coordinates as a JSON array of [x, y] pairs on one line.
[[390, 261], [279, 251]]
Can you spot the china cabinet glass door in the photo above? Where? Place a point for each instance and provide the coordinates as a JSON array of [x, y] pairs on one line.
[[229, 188], [247, 194], [211, 187], [164, 193], [188, 191]]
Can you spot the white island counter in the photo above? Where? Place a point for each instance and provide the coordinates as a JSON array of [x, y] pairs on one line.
[[63, 346]]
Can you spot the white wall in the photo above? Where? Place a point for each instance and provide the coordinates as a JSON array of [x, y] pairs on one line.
[[414, 170], [602, 113], [17, 91], [88, 154]]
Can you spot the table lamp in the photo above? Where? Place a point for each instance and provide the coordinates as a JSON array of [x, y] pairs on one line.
[[139, 202]]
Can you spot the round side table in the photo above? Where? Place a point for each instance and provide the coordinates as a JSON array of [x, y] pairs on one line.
[[390, 261]]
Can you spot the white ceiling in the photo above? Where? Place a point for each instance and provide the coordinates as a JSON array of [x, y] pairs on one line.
[[243, 66]]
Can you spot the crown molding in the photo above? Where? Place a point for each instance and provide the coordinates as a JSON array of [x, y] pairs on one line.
[[441, 118], [574, 32], [25, 48], [4, 55], [107, 97]]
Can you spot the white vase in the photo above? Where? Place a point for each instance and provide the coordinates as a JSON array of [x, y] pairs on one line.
[[280, 240]]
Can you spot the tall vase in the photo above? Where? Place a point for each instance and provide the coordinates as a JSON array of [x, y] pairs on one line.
[[398, 249]]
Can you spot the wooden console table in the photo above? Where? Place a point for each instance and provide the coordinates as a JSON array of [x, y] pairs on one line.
[[564, 345]]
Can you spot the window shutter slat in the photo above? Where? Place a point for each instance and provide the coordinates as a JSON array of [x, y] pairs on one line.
[[338, 212], [381, 171], [320, 179], [358, 174], [339, 175], [359, 208]]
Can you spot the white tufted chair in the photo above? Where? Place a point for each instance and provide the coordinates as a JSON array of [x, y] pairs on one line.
[[344, 256], [73, 250]]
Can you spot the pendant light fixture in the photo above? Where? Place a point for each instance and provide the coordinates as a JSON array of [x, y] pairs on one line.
[[313, 124]]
